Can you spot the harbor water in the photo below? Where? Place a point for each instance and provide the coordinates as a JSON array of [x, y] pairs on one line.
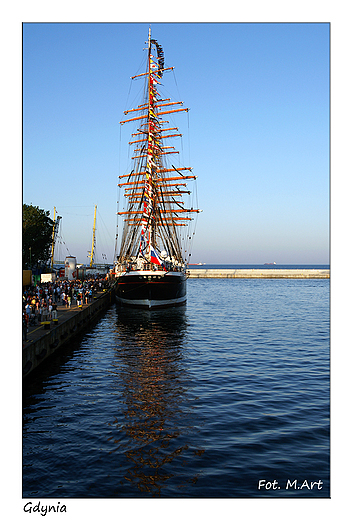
[[226, 397]]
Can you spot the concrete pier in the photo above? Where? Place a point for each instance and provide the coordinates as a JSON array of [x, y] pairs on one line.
[[46, 338], [259, 273]]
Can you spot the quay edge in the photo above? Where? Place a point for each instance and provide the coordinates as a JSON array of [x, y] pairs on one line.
[[259, 273], [38, 351]]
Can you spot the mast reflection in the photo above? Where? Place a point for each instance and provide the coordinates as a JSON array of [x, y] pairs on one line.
[[154, 429]]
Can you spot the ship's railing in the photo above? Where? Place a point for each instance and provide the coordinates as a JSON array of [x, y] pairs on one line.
[[148, 267]]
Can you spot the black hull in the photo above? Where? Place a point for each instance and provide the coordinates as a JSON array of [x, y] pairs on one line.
[[150, 289]]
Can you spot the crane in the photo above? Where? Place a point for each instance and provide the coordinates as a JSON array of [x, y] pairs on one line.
[[54, 235]]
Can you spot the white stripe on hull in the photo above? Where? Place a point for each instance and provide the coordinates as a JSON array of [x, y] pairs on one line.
[[152, 304]]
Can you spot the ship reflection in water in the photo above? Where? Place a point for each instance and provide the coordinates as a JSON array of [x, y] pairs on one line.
[[157, 421]]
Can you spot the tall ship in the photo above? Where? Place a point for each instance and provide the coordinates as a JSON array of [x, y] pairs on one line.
[[158, 214]]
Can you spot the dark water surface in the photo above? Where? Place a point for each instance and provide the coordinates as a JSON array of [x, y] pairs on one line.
[[206, 400]]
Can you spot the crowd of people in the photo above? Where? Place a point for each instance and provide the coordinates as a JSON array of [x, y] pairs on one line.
[[40, 302]]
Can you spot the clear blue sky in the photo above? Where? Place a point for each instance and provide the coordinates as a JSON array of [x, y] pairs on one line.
[[258, 132]]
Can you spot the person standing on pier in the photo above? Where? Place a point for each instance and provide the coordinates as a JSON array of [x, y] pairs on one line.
[[50, 308], [28, 310]]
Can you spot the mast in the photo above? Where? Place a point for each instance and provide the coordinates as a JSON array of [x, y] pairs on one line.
[[149, 205], [93, 239], [154, 205]]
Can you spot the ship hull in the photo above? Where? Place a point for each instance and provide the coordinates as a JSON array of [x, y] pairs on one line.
[[151, 289]]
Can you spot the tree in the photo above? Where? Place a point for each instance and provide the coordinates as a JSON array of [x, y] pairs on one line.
[[36, 236]]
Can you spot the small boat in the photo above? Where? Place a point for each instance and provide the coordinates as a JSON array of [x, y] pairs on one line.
[[151, 266]]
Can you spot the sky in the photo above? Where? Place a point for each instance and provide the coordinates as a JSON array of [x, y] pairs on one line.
[[257, 133]]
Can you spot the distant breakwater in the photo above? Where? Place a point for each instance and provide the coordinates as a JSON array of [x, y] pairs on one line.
[[260, 273]]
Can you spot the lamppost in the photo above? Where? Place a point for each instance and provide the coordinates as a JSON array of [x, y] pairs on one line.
[[30, 257]]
